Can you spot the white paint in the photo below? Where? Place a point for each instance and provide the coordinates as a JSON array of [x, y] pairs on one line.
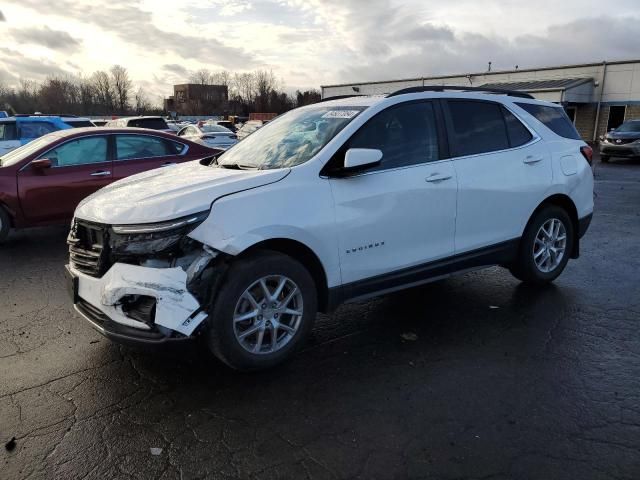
[[174, 304], [569, 165], [483, 199]]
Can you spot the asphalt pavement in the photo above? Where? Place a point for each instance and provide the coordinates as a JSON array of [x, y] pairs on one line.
[[475, 377]]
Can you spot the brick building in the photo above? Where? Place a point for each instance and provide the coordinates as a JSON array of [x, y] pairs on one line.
[[596, 96], [197, 99]]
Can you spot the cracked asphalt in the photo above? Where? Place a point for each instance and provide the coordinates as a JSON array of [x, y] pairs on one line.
[[475, 377]]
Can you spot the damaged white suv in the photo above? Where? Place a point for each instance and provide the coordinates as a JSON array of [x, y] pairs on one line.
[[341, 200]]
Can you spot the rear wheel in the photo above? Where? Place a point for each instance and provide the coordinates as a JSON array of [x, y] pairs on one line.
[[604, 158], [545, 247], [5, 224], [263, 312]]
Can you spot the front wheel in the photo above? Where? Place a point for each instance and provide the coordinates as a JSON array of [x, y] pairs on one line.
[[263, 312], [545, 247]]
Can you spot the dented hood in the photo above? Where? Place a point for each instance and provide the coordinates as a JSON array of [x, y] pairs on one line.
[[169, 192]]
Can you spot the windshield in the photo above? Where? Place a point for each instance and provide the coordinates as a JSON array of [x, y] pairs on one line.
[[292, 139], [629, 127], [20, 153]]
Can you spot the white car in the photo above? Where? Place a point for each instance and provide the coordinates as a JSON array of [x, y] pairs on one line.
[[210, 135], [341, 200]]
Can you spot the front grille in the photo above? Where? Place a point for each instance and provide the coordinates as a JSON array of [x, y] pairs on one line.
[[621, 141], [88, 248]]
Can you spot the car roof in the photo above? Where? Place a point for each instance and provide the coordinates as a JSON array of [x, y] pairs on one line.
[[108, 130]]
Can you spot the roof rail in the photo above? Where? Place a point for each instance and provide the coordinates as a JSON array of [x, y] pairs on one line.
[[442, 88], [338, 97]]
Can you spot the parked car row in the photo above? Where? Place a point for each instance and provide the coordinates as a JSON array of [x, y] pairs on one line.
[[42, 182]]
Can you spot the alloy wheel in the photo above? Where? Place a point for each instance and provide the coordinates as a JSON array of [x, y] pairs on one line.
[[268, 314], [550, 245]]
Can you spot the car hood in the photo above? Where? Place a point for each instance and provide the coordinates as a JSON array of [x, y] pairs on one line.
[[169, 192], [623, 135]]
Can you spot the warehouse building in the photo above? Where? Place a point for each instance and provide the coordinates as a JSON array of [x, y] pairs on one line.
[[596, 96]]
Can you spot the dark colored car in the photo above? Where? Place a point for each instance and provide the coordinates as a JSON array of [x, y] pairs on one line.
[[41, 183], [153, 123], [623, 142]]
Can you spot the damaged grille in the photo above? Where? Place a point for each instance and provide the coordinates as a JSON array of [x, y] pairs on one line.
[[88, 248]]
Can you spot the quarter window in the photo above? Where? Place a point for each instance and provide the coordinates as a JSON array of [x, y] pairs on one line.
[[478, 127], [78, 152], [406, 134], [129, 147], [553, 118], [518, 133]]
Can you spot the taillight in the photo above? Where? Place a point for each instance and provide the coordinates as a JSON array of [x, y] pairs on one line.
[[587, 153]]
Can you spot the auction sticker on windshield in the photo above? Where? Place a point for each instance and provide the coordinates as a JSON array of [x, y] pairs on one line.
[[341, 114]]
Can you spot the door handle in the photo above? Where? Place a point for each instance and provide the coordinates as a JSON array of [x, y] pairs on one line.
[[436, 177], [529, 159], [101, 173]]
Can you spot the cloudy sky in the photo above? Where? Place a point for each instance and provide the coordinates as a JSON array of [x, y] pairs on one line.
[[308, 43]]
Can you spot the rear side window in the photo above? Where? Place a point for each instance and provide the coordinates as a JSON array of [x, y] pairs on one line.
[[406, 134], [36, 129], [79, 123], [153, 123], [176, 148], [554, 118], [478, 127], [518, 133], [8, 131], [129, 147]]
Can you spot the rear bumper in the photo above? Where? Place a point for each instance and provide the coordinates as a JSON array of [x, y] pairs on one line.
[[583, 225]]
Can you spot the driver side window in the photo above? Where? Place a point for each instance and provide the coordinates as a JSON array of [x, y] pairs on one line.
[[406, 134], [78, 152]]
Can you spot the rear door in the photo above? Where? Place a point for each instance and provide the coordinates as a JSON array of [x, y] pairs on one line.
[[80, 166], [135, 153], [503, 170], [8, 137]]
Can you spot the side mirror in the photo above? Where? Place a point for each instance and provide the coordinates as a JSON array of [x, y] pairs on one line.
[[41, 164], [358, 158]]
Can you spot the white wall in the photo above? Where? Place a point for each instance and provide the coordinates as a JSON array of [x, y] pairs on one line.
[[622, 82]]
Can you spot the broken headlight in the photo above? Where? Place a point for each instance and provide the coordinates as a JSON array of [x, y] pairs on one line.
[[153, 238]]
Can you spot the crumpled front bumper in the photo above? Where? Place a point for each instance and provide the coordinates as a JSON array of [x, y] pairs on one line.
[[100, 302]]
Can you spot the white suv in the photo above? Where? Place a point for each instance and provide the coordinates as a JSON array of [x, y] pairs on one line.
[[341, 200]]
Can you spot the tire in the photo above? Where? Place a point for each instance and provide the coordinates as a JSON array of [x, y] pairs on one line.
[[526, 268], [233, 301], [604, 158], [5, 224]]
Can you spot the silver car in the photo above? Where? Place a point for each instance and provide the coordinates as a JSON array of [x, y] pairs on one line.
[[213, 136]]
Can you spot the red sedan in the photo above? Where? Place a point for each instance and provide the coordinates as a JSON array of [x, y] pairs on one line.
[[42, 182]]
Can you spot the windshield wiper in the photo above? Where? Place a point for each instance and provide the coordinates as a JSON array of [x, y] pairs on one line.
[[237, 166]]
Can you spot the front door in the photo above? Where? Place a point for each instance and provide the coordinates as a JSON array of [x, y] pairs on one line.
[[135, 153], [400, 213], [502, 167], [79, 167]]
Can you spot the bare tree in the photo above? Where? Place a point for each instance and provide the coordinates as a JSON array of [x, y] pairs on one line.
[[142, 103], [103, 91], [121, 87], [201, 77]]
